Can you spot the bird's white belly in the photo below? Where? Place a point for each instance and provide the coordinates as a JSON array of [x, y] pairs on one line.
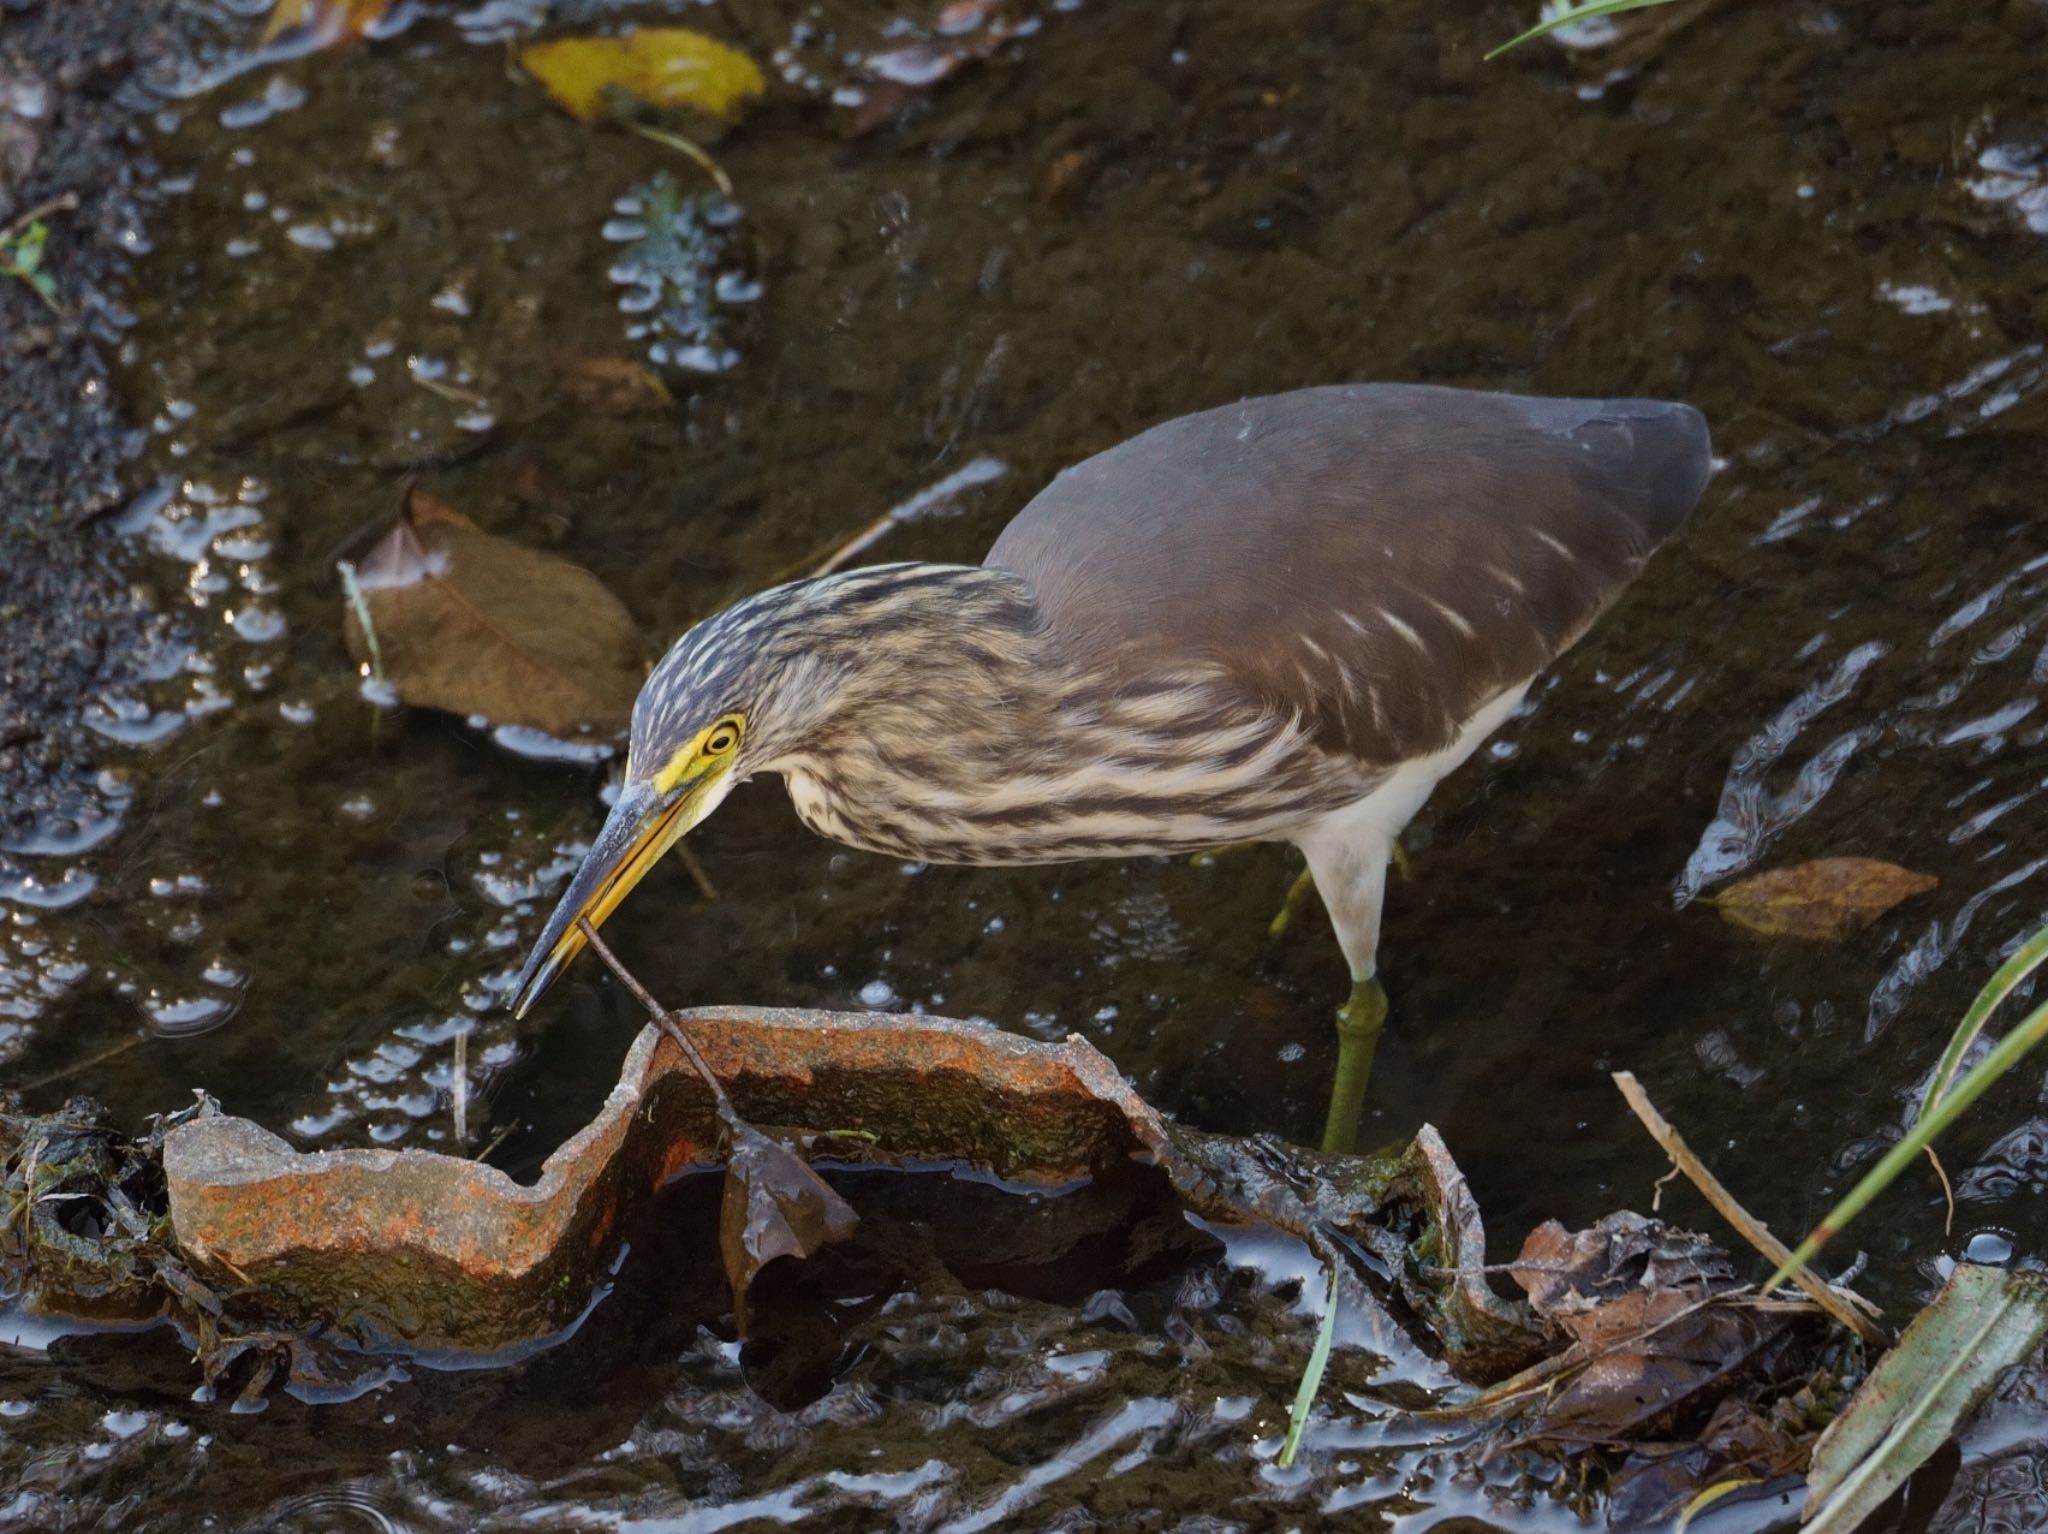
[[1395, 799], [1348, 848]]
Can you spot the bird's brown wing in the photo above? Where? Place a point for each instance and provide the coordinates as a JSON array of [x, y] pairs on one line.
[[1382, 559]]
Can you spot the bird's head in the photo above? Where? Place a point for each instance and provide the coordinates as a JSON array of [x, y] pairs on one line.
[[756, 688], [712, 712]]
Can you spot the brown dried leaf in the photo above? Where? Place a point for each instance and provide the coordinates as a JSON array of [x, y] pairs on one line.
[[1644, 1364], [1654, 1340], [1824, 900], [331, 23], [774, 1206], [1066, 178], [1739, 1445], [612, 385], [968, 31], [476, 624], [1563, 1271]]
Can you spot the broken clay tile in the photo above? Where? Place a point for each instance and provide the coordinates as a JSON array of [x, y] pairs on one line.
[[438, 1252]]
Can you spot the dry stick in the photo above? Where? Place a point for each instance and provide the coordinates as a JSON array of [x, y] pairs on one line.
[[727, 1114], [113, 1052], [926, 502], [1634, 52], [21, 221], [459, 1089], [859, 543], [691, 148], [1948, 1192], [1746, 1224], [703, 880]]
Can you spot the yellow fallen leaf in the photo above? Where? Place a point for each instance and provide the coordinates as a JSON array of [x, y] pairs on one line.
[[1826, 899], [476, 624], [332, 23], [662, 66]]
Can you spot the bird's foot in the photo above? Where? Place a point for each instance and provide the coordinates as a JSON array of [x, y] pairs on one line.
[[1359, 1023], [1404, 865]]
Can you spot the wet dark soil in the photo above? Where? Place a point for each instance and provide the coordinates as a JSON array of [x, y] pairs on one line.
[[69, 622]]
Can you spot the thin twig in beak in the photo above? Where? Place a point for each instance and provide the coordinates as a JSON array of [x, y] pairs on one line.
[[727, 1114]]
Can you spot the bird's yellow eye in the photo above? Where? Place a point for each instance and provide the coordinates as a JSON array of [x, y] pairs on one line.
[[721, 740]]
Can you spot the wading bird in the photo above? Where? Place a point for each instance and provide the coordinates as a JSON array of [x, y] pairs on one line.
[[1281, 620]]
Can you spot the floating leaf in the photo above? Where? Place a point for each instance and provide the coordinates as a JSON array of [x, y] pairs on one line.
[[774, 1206], [476, 624], [330, 23], [662, 66], [612, 385], [1823, 900], [1983, 1321]]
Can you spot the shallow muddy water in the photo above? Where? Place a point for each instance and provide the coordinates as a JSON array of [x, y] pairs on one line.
[[1822, 225]]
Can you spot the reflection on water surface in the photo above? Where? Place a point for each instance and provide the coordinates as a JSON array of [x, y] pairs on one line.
[[1816, 223]]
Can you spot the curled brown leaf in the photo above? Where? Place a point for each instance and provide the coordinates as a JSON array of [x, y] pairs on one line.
[[774, 1206]]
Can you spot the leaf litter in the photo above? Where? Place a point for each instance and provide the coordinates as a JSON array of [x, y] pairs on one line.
[[85, 1232], [1671, 1375]]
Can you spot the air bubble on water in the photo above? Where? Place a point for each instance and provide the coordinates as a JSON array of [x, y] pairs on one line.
[[1990, 1246]]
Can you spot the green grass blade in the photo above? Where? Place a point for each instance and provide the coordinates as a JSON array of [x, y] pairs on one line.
[[1937, 1118], [1984, 1321], [1590, 11], [2032, 954], [1311, 1378], [353, 589]]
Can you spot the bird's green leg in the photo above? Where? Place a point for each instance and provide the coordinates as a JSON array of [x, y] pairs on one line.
[[1359, 1022], [1303, 886], [1305, 881]]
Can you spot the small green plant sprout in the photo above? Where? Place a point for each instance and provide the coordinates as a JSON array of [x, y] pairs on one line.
[[1312, 1376], [352, 588], [1947, 1095], [1563, 13], [21, 257]]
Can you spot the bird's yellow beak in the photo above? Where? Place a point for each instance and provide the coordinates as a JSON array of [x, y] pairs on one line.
[[643, 825]]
